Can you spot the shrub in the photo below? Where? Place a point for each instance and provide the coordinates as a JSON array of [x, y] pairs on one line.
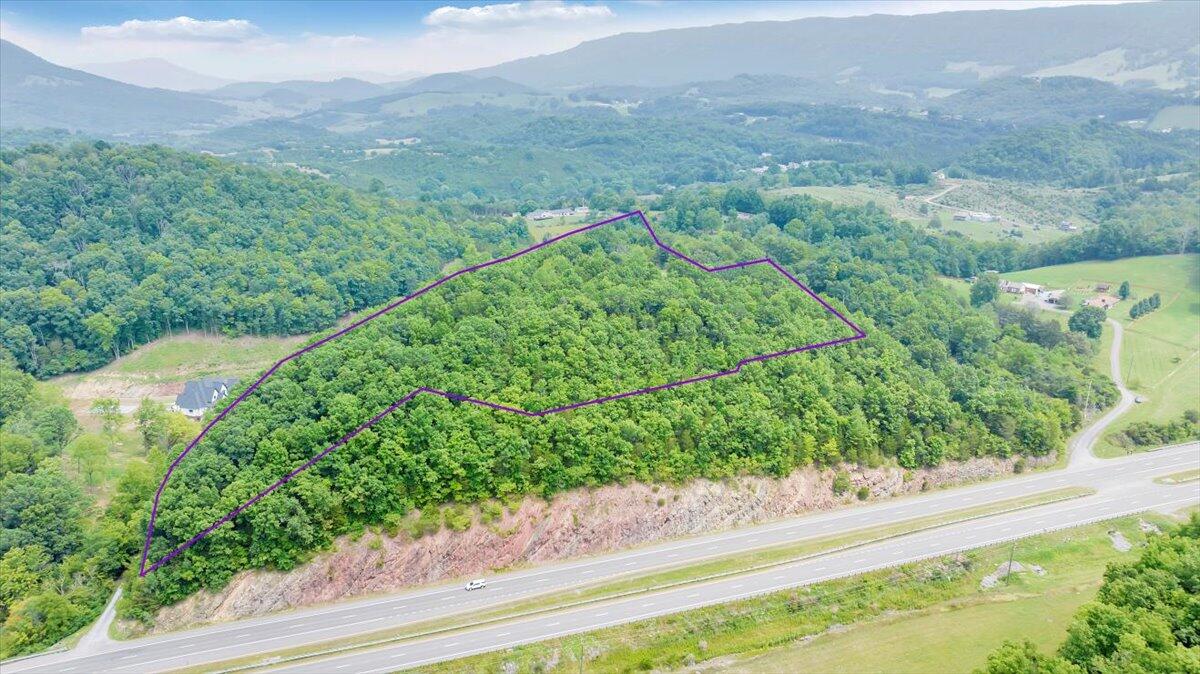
[[841, 483]]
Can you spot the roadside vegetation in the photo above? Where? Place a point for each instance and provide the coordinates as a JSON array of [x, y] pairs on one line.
[[933, 615]]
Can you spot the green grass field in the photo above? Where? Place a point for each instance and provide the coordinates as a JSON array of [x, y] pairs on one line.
[[1160, 358], [1044, 207], [540, 230], [1176, 117], [949, 638]]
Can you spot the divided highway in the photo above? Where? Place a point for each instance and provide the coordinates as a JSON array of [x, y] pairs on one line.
[[1123, 486]]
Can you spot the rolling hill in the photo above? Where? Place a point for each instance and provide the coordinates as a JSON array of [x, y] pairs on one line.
[[1151, 44], [154, 73], [38, 94]]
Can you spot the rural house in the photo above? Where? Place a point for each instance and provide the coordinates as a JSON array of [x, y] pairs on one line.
[[201, 394], [559, 213], [1019, 287]]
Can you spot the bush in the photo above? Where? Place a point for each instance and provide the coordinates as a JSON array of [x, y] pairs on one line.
[[429, 522], [841, 483], [490, 512], [458, 518], [392, 523], [863, 493]]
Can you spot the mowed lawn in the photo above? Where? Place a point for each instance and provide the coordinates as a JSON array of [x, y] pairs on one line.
[[1160, 358]]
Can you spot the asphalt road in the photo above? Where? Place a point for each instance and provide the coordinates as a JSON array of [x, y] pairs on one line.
[[1123, 485], [1134, 496], [1080, 448]]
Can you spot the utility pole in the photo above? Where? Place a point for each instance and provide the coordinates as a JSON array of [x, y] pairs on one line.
[[1011, 551]]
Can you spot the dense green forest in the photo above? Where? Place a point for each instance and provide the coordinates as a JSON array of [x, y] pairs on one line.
[[60, 552], [935, 381], [104, 248], [1144, 619], [1091, 154]]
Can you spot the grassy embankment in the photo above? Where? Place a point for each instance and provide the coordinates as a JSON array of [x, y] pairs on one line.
[[1160, 357], [929, 616]]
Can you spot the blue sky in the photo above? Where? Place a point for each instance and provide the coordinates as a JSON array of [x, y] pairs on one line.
[[273, 40]]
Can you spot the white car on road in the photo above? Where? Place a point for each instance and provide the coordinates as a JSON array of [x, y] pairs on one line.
[[477, 584]]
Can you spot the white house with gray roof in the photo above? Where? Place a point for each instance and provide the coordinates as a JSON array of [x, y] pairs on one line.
[[201, 394]]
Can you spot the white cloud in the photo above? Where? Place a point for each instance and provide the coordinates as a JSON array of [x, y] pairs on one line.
[[336, 41], [514, 14], [181, 28]]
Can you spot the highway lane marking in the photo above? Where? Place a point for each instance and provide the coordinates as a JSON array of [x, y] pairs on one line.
[[503, 634], [251, 643], [677, 609], [933, 504], [630, 563], [601, 615]]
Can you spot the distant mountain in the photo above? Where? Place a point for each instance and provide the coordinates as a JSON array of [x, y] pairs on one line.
[[1153, 44], [343, 89], [461, 83], [35, 94], [155, 72], [428, 93]]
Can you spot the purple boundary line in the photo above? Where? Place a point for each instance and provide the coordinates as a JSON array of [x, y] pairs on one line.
[[143, 569]]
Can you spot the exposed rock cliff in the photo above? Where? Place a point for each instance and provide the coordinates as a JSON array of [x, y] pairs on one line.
[[576, 523]]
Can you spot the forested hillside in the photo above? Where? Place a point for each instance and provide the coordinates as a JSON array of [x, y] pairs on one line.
[[59, 551], [104, 248], [1085, 155], [935, 381]]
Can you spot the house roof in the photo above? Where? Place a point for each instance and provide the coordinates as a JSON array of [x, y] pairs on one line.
[[198, 394]]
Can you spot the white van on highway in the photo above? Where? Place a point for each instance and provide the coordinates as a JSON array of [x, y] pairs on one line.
[[477, 584]]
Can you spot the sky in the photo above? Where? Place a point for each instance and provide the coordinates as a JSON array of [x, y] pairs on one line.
[[381, 40]]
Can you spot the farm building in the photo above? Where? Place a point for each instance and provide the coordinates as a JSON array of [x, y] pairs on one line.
[[1020, 287], [559, 213]]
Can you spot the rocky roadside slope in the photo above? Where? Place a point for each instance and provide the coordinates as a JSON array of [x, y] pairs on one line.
[[580, 522]]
